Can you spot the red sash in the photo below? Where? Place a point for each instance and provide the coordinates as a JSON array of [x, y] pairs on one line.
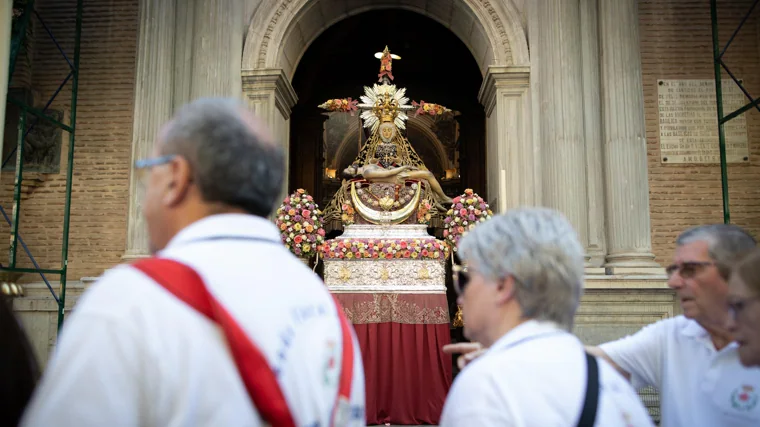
[[257, 375]]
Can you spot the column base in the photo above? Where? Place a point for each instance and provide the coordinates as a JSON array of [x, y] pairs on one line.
[[130, 257], [633, 263]]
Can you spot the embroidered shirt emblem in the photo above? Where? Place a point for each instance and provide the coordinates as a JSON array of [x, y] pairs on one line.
[[744, 398]]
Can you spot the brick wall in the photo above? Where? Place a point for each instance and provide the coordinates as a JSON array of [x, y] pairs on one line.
[[676, 43], [103, 140]]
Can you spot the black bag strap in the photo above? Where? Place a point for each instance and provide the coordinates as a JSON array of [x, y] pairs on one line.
[[588, 414]]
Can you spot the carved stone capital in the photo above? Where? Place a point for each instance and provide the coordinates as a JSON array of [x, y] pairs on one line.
[[505, 78], [272, 81]]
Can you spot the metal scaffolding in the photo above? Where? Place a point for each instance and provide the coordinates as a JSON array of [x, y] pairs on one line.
[[722, 120], [23, 132]]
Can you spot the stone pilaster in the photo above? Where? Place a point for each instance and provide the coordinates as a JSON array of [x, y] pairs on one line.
[[560, 94], [6, 13], [597, 245], [208, 43], [514, 174], [629, 242], [153, 104], [271, 96]]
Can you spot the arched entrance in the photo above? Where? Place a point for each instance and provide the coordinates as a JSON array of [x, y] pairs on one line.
[[281, 31], [435, 66]]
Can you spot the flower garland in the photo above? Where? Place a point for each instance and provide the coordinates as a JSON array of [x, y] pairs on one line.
[[385, 249], [300, 223], [423, 212], [345, 105], [347, 217], [428, 108], [466, 211]]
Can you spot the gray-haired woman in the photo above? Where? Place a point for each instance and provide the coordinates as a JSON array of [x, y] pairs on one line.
[[520, 284]]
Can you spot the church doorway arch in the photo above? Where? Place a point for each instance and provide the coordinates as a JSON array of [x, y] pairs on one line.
[[281, 32], [435, 66]]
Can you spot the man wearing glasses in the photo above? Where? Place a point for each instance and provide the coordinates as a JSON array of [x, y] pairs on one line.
[[209, 332], [692, 359]]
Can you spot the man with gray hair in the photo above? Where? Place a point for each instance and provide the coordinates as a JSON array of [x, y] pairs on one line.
[[520, 285], [209, 332], [692, 359]]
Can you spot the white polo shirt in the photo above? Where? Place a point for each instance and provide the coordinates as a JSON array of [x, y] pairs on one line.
[[536, 375], [132, 354], [698, 385]]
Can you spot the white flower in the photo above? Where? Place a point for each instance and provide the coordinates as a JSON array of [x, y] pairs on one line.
[[464, 222], [288, 239], [287, 217]]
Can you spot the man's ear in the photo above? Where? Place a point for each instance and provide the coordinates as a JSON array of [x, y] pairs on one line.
[[505, 290], [180, 178]]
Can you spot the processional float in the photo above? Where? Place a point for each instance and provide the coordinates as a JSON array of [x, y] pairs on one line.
[[385, 269]]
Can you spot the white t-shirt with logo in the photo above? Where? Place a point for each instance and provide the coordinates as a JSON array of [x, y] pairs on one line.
[[132, 354], [536, 375], [698, 385]]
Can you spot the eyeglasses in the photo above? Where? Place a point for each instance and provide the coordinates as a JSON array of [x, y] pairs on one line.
[[460, 277], [142, 166], [736, 306], [687, 269]]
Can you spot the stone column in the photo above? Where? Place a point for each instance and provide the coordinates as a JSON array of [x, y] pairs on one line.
[[208, 42], [6, 13], [153, 105], [629, 242], [593, 131], [271, 96], [513, 164], [560, 93]]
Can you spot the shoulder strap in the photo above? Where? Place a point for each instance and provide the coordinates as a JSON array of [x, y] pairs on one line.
[[259, 379], [590, 404]]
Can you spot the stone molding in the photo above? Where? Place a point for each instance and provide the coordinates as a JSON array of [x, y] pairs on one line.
[[516, 78], [265, 81], [281, 30]]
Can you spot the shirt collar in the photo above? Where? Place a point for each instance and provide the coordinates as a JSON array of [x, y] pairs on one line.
[[233, 224], [694, 330], [524, 331]]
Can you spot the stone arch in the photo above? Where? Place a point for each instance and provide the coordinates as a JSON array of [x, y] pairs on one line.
[[280, 31]]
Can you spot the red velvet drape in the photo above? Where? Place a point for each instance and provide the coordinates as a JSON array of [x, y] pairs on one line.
[[407, 375]]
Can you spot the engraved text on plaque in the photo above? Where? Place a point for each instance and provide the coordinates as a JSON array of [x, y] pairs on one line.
[[689, 122]]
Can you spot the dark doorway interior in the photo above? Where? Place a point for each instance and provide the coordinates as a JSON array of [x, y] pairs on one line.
[[435, 67]]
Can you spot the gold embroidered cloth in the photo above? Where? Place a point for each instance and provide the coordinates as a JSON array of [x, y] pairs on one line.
[[425, 309]]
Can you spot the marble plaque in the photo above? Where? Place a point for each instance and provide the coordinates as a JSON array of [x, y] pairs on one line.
[[689, 122]]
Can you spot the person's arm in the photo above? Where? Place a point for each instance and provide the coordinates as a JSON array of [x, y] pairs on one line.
[[638, 357], [469, 351], [598, 352]]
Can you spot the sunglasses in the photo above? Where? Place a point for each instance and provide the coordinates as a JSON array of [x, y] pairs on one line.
[[460, 277], [687, 269]]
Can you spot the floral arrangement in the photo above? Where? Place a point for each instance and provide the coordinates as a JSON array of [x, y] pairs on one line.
[[385, 249], [423, 212], [347, 217], [345, 105], [466, 211], [430, 109], [300, 222]]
